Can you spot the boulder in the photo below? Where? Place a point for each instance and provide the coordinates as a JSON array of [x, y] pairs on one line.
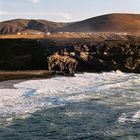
[[63, 64]]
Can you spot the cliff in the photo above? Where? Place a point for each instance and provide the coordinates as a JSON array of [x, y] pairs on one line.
[[90, 55]]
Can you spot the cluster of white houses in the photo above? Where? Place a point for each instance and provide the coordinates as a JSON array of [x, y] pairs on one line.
[[40, 33], [87, 33], [31, 33]]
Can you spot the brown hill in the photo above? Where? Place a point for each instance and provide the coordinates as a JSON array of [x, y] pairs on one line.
[[105, 23], [31, 26]]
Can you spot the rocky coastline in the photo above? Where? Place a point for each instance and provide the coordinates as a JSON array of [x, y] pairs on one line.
[[76, 55]]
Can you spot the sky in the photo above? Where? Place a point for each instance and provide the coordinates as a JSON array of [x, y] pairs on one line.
[[64, 10]]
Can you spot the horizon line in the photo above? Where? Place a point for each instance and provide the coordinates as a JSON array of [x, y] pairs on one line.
[[125, 13]]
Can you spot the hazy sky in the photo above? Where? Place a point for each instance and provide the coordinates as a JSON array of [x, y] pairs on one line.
[[64, 10]]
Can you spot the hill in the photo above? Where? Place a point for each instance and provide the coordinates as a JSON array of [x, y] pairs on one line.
[[104, 23], [29, 26]]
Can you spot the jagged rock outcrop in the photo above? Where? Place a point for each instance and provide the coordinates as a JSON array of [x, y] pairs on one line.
[[112, 55], [91, 55], [61, 63]]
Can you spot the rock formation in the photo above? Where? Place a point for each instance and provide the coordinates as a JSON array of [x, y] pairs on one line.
[[64, 64], [63, 55]]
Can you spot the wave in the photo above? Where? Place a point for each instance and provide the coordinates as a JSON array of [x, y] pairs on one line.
[[113, 88], [131, 117]]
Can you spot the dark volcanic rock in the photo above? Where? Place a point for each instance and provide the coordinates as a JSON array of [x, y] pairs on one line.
[[32, 54]]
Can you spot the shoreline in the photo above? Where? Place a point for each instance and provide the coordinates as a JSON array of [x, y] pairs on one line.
[[16, 76], [8, 84], [25, 75], [9, 78]]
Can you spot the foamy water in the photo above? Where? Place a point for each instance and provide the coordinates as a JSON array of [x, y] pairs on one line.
[[111, 88], [116, 90]]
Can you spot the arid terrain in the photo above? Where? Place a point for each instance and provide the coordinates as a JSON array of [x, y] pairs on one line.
[[93, 51], [105, 23], [104, 43]]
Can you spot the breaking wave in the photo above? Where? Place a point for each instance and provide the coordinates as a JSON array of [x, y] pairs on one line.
[[115, 89]]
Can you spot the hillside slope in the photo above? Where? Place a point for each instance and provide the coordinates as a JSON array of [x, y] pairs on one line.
[[31, 26], [104, 23], [107, 23]]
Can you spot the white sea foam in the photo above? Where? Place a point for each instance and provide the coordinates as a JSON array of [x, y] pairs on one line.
[[131, 117], [32, 95]]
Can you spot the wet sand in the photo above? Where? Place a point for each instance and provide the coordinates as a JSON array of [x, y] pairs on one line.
[[9, 84], [15, 76], [9, 78]]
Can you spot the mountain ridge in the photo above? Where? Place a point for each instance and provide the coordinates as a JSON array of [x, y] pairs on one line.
[[115, 22]]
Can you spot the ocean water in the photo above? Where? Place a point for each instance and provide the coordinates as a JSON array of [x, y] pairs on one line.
[[88, 106]]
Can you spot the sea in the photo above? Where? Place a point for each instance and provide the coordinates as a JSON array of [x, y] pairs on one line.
[[88, 106]]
